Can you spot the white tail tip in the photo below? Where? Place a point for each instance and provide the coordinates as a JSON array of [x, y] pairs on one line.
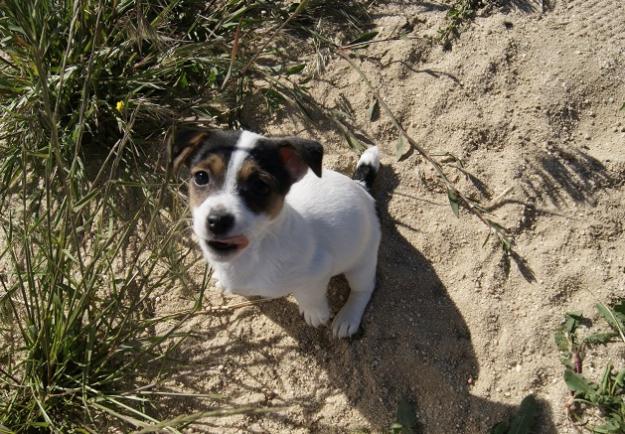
[[370, 157]]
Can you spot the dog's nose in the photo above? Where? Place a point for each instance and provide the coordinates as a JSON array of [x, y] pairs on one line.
[[220, 223]]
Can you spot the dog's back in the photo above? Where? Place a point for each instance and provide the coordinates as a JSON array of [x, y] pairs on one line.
[[341, 210]]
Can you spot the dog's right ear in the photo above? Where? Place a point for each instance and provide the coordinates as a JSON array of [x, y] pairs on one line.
[[185, 143]]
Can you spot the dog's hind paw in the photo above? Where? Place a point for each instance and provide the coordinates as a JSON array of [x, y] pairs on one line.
[[346, 323], [319, 315]]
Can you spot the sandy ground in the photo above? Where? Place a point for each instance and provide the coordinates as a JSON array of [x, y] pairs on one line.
[[529, 98]]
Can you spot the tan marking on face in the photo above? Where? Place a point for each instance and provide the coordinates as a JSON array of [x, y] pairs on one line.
[[215, 165], [276, 201], [198, 138], [273, 202]]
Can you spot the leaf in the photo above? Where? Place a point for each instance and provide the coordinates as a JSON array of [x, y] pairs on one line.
[[577, 383], [599, 338], [354, 143], [609, 427], [604, 386], [401, 148], [453, 201], [5, 430], [500, 428], [374, 110], [623, 107], [525, 419], [406, 416], [573, 319], [609, 316], [619, 378], [295, 69], [364, 37], [565, 359], [486, 239], [619, 308], [561, 341], [506, 244]]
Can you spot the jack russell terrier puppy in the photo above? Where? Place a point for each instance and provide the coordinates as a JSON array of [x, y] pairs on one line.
[[270, 222]]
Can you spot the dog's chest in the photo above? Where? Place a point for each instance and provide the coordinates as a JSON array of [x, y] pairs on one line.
[[275, 275], [264, 283]]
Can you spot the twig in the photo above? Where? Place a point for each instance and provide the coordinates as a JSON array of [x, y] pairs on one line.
[[233, 55], [8, 62], [462, 199], [501, 196], [215, 309], [234, 306]]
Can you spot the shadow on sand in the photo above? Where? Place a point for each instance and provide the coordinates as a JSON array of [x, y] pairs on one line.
[[414, 346]]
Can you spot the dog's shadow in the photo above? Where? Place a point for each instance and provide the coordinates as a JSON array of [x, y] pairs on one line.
[[414, 345]]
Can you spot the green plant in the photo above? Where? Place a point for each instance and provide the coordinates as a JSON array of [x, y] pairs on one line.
[[523, 422], [608, 394], [458, 14], [406, 421], [91, 221]]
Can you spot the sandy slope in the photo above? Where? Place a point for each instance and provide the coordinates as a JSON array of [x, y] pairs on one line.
[[529, 100]]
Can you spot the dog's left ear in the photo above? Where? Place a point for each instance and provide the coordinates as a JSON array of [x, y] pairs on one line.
[[184, 144], [299, 154]]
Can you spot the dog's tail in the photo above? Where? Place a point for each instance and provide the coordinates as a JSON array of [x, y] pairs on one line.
[[367, 168]]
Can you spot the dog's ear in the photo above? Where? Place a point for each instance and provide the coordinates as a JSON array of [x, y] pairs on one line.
[[299, 154], [184, 144]]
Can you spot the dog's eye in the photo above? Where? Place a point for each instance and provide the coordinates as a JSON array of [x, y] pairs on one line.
[[201, 177], [259, 186]]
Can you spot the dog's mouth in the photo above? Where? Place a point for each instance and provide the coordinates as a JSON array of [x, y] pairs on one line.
[[225, 246]]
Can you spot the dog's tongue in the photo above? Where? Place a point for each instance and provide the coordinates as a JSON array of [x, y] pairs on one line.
[[238, 240]]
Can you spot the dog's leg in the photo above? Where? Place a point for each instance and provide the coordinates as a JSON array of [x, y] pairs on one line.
[[361, 282], [313, 304]]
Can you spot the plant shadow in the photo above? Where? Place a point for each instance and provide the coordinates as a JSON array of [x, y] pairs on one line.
[[559, 175]]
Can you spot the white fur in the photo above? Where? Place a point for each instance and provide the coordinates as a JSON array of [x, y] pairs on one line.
[[371, 157], [328, 226]]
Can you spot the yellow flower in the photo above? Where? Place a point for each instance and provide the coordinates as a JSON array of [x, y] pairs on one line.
[[120, 106]]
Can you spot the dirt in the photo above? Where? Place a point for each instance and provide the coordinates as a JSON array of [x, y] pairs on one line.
[[529, 99]]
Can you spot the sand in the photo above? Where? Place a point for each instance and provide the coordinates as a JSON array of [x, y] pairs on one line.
[[529, 99]]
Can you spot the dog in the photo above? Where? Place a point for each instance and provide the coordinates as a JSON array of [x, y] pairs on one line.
[[271, 222]]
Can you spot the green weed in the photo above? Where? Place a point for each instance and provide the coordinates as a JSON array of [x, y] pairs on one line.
[[607, 395], [459, 14], [92, 222]]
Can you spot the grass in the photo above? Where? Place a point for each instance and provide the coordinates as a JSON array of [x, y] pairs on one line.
[[93, 227], [93, 222], [602, 400]]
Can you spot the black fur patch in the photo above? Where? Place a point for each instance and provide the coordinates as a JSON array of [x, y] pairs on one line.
[[216, 142], [263, 180], [365, 174], [267, 154]]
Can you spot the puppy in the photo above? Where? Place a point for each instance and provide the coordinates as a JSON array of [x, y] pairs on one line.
[[271, 222]]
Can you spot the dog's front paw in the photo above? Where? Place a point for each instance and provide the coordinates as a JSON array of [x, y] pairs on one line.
[[315, 315], [346, 322]]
